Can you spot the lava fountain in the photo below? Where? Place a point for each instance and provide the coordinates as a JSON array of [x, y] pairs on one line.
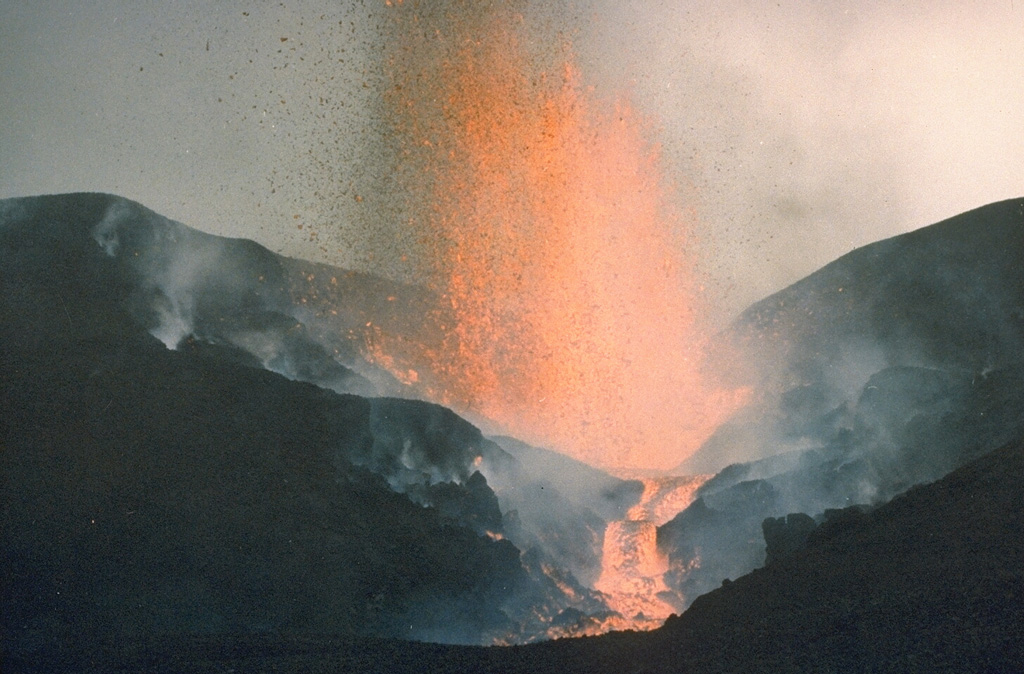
[[568, 314]]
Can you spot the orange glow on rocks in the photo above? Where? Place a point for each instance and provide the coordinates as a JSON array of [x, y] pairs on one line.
[[568, 314]]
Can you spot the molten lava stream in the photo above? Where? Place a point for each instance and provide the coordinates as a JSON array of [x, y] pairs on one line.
[[632, 567], [631, 574]]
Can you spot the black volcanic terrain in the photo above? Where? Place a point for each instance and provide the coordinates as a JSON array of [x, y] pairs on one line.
[[148, 490], [202, 471], [887, 368], [931, 582]]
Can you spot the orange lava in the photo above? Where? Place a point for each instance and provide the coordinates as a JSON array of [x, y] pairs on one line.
[[568, 310], [632, 573], [665, 497]]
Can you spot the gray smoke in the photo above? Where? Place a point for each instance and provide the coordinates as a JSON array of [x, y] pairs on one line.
[[890, 367]]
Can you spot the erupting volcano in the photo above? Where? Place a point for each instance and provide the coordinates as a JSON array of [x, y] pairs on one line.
[[518, 336], [568, 312]]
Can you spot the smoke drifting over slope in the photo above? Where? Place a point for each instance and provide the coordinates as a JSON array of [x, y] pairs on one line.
[[225, 310], [889, 367], [808, 129]]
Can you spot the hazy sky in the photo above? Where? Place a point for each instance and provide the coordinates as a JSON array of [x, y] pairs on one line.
[[795, 131]]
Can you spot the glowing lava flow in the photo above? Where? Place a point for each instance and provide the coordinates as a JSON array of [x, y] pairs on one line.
[[632, 572], [568, 313], [632, 567]]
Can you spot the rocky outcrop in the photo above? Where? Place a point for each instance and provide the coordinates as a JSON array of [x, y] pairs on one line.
[[783, 536]]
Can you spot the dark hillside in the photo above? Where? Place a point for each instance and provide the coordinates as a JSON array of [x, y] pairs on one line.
[[146, 490], [947, 297], [931, 582], [889, 367]]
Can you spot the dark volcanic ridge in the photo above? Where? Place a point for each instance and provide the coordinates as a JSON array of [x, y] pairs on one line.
[[930, 582], [890, 367], [948, 297], [150, 490], [203, 470]]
